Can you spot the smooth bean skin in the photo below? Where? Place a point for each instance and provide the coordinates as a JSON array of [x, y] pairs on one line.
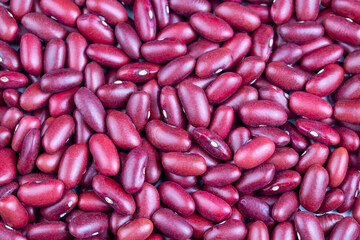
[[42, 26], [221, 175], [61, 208], [253, 113], [62, 103], [195, 104], [222, 121], [228, 193], [10, 58], [144, 19], [60, 80], [25, 125], [308, 226], [256, 209], [31, 55], [73, 164], [255, 178], [227, 83], [8, 25], [328, 221], [33, 97], [285, 76], [8, 204], [284, 230], [316, 153], [147, 201], [301, 33], [281, 11], [29, 152], [10, 234], [212, 62], [188, 7], [337, 166], [230, 229], [347, 228], [201, 46], [41, 194], [153, 89], [112, 11], [349, 187], [5, 136], [356, 210], [300, 103], [45, 230], [137, 229], [289, 53], [138, 108], [211, 207], [243, 95], [278, 136], [319, 58], [153, 167], [344, 110], [138, 71], [306, 10], [91, 109], [107, 55], [181, 30], [11, 97], [66, 11], [19, 8], [118, 220], [283, 158], [240, 45], [76, 57], [210, 161], [54, 55], [334, 198], [58, 133], [11, 118], [257, 230], [128, 39], [334, 23], [199, 224], [115, 95], [285, 206], [277, 95], [350, 63], [89, 201], [348, 138], [238, 16], [86, 224], [318, 131], [94, 29], [313, 187], [171, 107], [283, 181], [82, 130], [262, 42], [184, 164], [254, 152], [110, 191]]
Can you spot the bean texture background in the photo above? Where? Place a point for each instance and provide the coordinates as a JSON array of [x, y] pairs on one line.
[[179, 119]]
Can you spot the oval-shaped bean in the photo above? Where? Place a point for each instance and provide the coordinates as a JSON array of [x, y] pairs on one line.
[[29, 152], [128, 39], [211, 207], [8, 25], [179, 229], [256, 209], [337, 166], [138, 71], [58, 133], [144, 20], [24, 126], [54, 55], [346, 8], [349, 187], [19, 8], [10, 234], [62, 103], [31, 54], [88, 224], [153, 167], [176, 70], [255, 178], [111, 10], [346, 228], [328, 221], [333, 199], [289, 53], [147, 201], [257, 230], [221, 175], [344, 110], [279, 137], [95, 29], [184, 164], [107, 55], [118, 220], [285, 206], [9, 57], [140, 228], [89, 201], [223, 87], [62, 207], [283, 181], [9, 79], [230, 229], [228, 193], [284, 230], [5, 136], [262, 39], [91, 109], [321, 57], [308, 226], [281, 11], [199, 224], [110, 191], [283, 158], [41, 194], [76, 57], [188, 7], [115, 95], [350, 63], [307, 10], [313, 187], [213, 62], [48, 229], [348, 138], [65, 12], [301, 32], [316, 153], [9, 204], [201, 46], [171, 107], [161, 51], [60, 80], [350, 34]]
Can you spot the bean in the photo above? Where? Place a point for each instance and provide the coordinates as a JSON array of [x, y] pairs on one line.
[[279, 137], [283, 181], [334, 198], [285, 206], [289, 53], [199, 224], [76, 57], [54, 55], [161, 51], [316, 153], [88, 224], [46, 230], [95, 29], [31, 55], [107, 55], [65, 12], [8, 25], [138, 71], [258, 230], [297, 140], [316, 44], [29, 152], [308, 226], [25, 125], [8, 204], [19, 8], [337, 166], [243, 95], [144, 19], [181, 30], [319, 58], [183, 164], [10, 58], [60, 80], [201, 46], [228, 193], [221, 175], [283, 158], [301, 33], [348, 138], [256, 209], [349, 187], [281, 11], [140, 228], [277, 95], [89, 201], [346, 228], [351, 30], [230, 229], [10, 234], [128, 39], [284, 230], [189, 7], [256, 178], [147, 201], [328, 221], [118, 220], [5, 136], [213, 62], [112, 11]]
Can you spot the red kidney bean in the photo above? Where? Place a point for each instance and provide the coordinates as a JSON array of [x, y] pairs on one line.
[[153, 89], [62, 103], [199, 224], [144, 19], [343, 108], [350, 63], [58, 133], [171, 108], [19, 8], [9, 57], [316, 153], [95, 29], [239, 45], [82, 131], [285, 206], [201, 46], [12, 80], [73, 165], [24, 126], [91, 109], [243, 95], [228, 193], [147, 201], [61, 208], [138, 71], [8, 25], [211, 207], [183, 66], [176, 198], [318, 131], [179, 229], [253, 113], [300, 103], [334, 198], [277, 95], [54, 55], [356, 211], [128, 39], [334, 23], [89, 224], [189, 7], [297, 141], [262, 40], [138, 108], [321, 57], [348, 138], [308, 226], [349, 187], [10, 234], [110, 191], [118, 220], [279, 137], [226, 83], [206, 24], [328, 221], [222, 121], [289, 53], [42, 26], [41, 194], [238, 16], [76, 57], [285, 76], [284, 230], [213, 62], [212, 143], [45, 230], [60, 80], [153, 167], [221, 175], [31, 54], [115, 95], [107, 55], [36, 177], [283, 181], [313, 187], [281, 11], [347, 228], [254, 152], [346, 8], [306, 10], [89, 201], [283, 158], [183, 164], [29, 152], [140, 228], [257, 230], [5, 136], [111, 10], [65, 12], [230, 229], [316, 44], [301, 32], [210, 160], [9, 204], [11, 97], [256, 209], [262, 11], [162, 13], [181, 30], [336, 166], [256, 178], [11, 118], [161, 51]]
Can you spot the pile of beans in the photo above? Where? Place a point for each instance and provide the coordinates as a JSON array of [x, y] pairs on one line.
[[179, 119]]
